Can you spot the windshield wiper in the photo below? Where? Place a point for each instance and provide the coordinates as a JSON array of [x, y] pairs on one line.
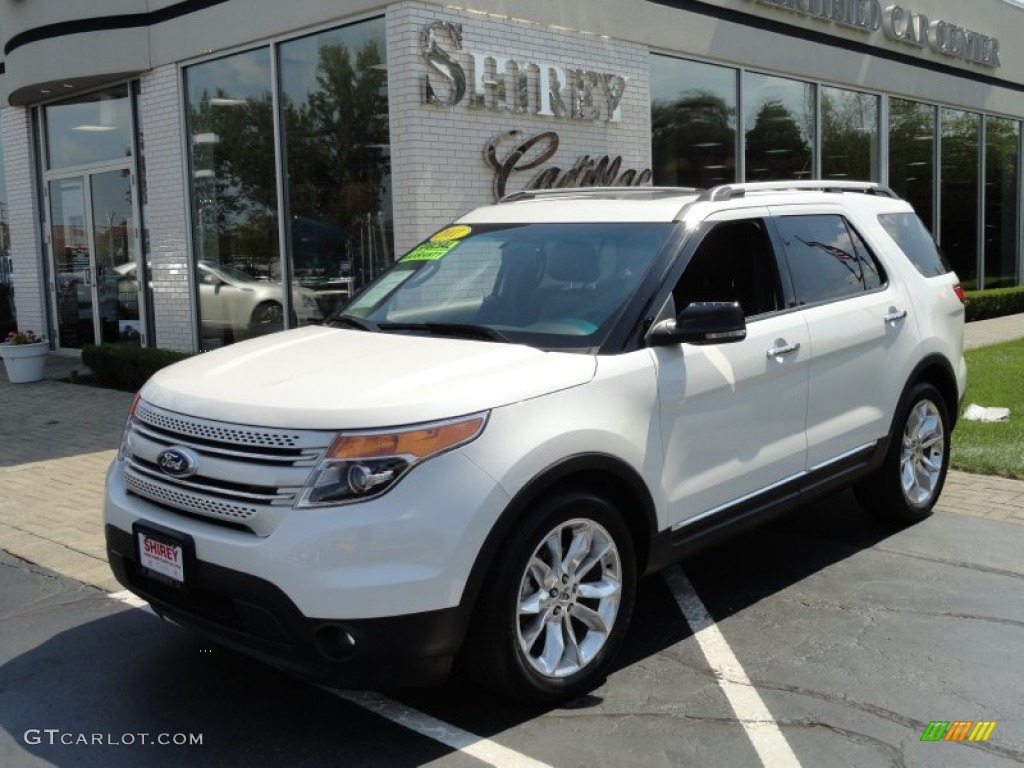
[[353, 322], [460, 330]]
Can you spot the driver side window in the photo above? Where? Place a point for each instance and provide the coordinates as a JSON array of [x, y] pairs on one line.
[[734, 262]]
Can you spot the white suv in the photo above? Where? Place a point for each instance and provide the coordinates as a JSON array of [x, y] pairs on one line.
[[481, 454]]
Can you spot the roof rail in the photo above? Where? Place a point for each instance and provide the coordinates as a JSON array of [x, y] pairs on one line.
[[730, 191], [643, 193]]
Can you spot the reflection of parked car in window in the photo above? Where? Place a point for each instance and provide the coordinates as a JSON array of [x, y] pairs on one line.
[[231, 299]]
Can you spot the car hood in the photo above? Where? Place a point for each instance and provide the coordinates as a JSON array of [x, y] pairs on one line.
[[329, 378]]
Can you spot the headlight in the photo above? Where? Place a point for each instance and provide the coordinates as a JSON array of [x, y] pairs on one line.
[[307, 301], [362, 465]]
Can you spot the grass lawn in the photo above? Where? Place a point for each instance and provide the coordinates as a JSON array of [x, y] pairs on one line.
[[995, 377]]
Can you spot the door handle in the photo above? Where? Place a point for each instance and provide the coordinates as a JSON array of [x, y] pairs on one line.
[[785, 349], [895, 315]]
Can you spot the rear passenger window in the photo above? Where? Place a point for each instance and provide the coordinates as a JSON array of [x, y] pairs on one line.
[[916, 242], [827, 258]]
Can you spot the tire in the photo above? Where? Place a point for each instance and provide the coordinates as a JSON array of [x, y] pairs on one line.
[[906, 486], [548, 624], [267, 315]]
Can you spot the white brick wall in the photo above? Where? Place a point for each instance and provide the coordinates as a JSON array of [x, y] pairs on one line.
[[165, 213], [26, 244], [437, 153]]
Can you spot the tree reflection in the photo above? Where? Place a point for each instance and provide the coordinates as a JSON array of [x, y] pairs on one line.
[[694, 140], [776, 147], [849, 125], [959, 226], [335, 137], [911, 155], [1002, 159]]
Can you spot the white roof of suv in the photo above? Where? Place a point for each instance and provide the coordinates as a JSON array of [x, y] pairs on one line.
[[623, 204]]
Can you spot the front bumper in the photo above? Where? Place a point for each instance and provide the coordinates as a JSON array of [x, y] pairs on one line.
[[251, 615], [363, 595]]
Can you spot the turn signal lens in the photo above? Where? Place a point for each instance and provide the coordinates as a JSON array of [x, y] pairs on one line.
[[420, 443]]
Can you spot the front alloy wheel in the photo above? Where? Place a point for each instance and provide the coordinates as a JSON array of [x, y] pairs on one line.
[[569, 598], [557, 603]]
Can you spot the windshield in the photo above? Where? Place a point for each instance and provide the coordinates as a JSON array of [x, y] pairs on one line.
[[547, 285]]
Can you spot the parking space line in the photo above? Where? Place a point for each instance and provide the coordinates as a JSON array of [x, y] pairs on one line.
[[126, 597], [482, 749], [468, 743], [762, 730]]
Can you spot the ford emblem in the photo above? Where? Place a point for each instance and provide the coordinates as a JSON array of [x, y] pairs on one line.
[[177, 462]]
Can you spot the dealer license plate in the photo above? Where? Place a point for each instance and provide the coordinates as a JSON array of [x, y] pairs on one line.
[[161, 556]]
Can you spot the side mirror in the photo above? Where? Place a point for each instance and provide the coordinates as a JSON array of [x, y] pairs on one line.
[[701, 322]]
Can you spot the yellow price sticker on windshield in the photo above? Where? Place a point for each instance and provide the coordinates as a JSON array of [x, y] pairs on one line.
[[430, 251], [452, 233]]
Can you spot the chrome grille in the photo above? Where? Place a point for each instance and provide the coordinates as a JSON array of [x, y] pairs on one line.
[[245, 475], [188, 502], [205, 429]]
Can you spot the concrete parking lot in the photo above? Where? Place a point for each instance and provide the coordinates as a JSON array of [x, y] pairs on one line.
[[822, 639]]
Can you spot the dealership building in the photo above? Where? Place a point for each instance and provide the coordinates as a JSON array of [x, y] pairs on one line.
[[188, 174]]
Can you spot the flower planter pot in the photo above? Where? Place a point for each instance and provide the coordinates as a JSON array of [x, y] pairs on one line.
[[24, 362]]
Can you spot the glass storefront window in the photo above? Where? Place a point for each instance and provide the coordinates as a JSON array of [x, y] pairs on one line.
[[334, 106], [7, 317], [912, 156], [230, 125], [959, 204], [89, 129], [1002, 159], [693, 122], [849, 135], [778, 122]]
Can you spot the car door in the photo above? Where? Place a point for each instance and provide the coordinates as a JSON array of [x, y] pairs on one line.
[[860, 330], [732, 414]]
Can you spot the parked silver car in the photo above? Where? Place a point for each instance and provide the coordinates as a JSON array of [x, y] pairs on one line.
[[230, 299]]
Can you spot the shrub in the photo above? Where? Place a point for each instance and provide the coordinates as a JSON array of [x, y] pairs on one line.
[[117, 366], [994, 303]]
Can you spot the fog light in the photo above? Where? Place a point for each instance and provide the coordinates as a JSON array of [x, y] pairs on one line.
[[336, 643]]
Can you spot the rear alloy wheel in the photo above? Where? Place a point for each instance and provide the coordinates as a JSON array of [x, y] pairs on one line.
[[558, 605], [907, 485], [923, 454]]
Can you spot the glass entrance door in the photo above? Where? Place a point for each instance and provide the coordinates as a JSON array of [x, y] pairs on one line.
[[94, 247]]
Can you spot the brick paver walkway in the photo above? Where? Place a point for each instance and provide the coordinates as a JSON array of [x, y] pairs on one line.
[[57, 439]]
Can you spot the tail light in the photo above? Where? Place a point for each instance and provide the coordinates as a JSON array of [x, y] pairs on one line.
[[959, 291]]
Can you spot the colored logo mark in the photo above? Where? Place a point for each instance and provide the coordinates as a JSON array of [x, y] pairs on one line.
[[958, 730]]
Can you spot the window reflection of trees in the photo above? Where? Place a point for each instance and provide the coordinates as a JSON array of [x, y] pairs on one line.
[[779, 127], [911, 155], [849, 134], [336, 137], [1002, 160], [959, 226], [235, 193], [694, 140]]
